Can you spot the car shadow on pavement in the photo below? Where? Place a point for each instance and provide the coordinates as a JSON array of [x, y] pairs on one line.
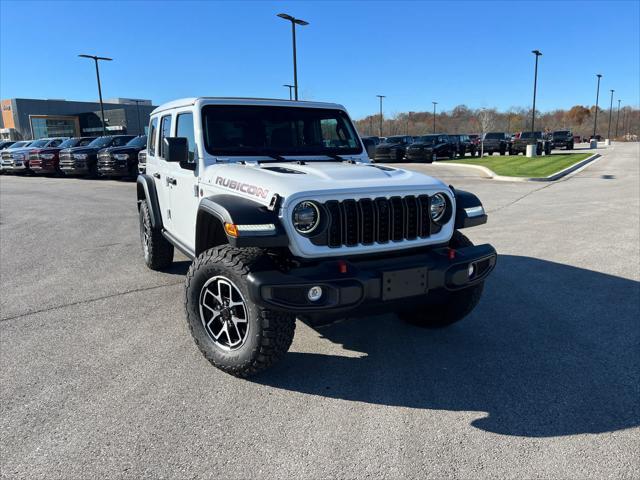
[[551, 350]]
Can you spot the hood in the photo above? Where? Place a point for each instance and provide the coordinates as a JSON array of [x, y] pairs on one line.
[[121, 149], [317, 179], [84, 149], [20, 150], [422, 145]]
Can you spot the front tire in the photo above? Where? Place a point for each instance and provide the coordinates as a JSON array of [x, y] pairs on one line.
[[236, 335], [158, 252], [455, 306]]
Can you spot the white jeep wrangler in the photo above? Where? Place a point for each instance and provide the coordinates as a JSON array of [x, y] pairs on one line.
[[284, 216]]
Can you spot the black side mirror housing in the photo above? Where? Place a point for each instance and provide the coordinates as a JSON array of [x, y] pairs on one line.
[[177, 150]]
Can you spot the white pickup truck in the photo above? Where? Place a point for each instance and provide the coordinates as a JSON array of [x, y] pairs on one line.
[[284, 216]]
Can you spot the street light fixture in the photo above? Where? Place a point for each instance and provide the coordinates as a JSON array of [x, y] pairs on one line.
[[290, 89], [95, 59], [617, 118], [595, 120], [294, 21], [610, 110], [380, 128], [537, 53], [434, 116]]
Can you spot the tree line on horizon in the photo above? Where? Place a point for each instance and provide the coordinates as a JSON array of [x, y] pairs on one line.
[[462, 119]]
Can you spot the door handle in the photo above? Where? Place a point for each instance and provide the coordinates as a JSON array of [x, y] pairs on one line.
[[156, 175], [171, 181]]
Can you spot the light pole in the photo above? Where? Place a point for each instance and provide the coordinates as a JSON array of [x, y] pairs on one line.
[[294, 21], [95, 59], [434, 116], [380, 129], [537, 53], [610, 110], [138, 113], [290, 89], [595, 120], [617, 118]]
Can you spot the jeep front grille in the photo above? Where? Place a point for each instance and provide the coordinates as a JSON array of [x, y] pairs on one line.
[[380, 220]]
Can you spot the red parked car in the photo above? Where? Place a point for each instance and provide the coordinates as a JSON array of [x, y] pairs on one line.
[[46, 160]]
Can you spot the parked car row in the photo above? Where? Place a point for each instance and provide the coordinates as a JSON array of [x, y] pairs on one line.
[[108, 156], [429, 148]]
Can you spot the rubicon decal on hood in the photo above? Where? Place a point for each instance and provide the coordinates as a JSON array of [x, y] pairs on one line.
[[242, 187]]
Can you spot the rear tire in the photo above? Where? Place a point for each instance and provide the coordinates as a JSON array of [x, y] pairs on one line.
[[236, 335], [457, 305], [158, 252]]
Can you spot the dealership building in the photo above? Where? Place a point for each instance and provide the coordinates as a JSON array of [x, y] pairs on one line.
[[26, 119]]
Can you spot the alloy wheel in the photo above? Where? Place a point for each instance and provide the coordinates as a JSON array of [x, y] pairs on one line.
[[223, 313]]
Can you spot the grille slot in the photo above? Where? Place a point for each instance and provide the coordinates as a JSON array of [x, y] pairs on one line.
[[366, 221]]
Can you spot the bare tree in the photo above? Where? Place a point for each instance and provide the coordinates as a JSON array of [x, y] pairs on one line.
[[486, 119]]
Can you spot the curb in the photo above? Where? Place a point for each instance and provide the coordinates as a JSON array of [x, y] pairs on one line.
[[551, 178]]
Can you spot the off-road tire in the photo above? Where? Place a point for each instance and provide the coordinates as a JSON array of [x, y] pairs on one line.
[[511, 151], [434, 157], [159, 252], [457, 305], [503, 151], [269, 332]]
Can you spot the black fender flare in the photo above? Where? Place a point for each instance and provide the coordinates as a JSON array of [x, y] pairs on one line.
[[237, 210], [146, 190], [464, 218]]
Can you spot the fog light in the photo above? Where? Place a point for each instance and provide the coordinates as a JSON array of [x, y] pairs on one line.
[[315, 293], [471, 270]]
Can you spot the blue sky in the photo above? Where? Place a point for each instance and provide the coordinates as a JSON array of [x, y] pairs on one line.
[[473, 53]]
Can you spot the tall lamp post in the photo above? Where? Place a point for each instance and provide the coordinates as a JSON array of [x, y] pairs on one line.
[[595, 120], [380, 128], [610, 111], [138, 113], [434, 116], [95, 59], [617, 118], [294, 21], [290, 90], [537, 53]]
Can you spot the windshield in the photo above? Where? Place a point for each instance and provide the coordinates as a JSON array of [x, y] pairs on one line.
[[76, 142], [39, 143], [531, 135], [265, 130], [494, 136], [561, 133], [394, 140], [137, 142], [428, 139], [101, 142]]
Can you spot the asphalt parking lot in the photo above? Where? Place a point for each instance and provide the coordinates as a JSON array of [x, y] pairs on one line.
[[100, 377]]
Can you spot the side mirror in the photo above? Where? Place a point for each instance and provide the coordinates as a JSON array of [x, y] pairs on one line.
[[177, 150]]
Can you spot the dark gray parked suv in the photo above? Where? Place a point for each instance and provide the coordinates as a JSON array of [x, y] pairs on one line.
[[393, 148], [495, 142]]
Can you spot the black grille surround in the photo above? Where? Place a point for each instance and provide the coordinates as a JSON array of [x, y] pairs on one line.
[[379, 220]]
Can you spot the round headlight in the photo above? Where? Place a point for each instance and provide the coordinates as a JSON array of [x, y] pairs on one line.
[[438, 207], [306, 217]]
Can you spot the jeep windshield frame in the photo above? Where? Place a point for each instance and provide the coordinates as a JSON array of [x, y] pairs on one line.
[[261, 130]]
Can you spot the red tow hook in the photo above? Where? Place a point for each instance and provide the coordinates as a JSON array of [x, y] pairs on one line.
[[342, 266], [452, 254]]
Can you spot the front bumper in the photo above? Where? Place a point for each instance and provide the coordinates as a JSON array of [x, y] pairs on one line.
[[74, 167], [419, 155], [113, 168], [379, 284], [40, 166]]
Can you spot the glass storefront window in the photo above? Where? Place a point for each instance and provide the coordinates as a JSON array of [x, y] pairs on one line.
[[53, 127]]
